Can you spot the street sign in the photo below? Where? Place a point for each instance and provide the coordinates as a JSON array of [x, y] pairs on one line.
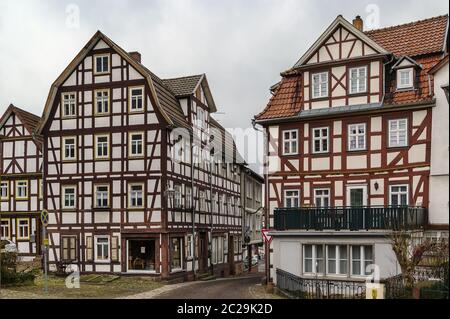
[[44, 218], [267, 238], [46, 242]]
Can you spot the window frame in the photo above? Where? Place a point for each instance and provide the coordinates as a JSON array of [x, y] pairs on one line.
[[362, 260], [63, 105], [63, 149], [398, 194], [314, 260], [104, 55], [105, 260], [285, 197], [8, 220], [4, 198], [130, 99], [108, 196], [130, 185], [108, 147], [69, 248], [337, 260], [18, 227], [358, 79], [63, 197], [410, 85], [397, 132], [130, 145], [350, 135], [16, 190], [290, 140], [103, 113], [313, 84], [322, 197], [320, 139]]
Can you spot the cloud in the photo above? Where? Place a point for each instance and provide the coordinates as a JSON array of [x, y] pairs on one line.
[[242, 45]]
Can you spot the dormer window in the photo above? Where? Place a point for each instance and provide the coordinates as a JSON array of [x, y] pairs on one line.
[[405, 79]]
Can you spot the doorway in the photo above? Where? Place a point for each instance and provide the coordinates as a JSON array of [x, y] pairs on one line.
[[141, 255], [203, 247], [231, 254], [356, 203]]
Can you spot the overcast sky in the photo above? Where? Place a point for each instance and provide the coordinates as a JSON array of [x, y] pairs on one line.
[[242, 45]]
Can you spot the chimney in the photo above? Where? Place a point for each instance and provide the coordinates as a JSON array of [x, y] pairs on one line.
[[358, 23], [136, 56]]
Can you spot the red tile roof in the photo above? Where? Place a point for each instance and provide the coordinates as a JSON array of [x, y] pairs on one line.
[[423, 40], [412, 39], [286, 100]]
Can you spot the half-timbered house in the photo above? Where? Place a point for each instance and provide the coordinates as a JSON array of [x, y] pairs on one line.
[[20, 181], [123, 184], [348, 149]]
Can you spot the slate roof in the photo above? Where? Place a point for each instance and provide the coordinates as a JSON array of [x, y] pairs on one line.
[[183, 86], [230, 152]]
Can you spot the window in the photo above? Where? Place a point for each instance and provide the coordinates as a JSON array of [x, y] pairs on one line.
[[136, 99], [101, 249], [69, 148], [358, 80], [313, 259], [399, 195], [102, 146], [5, 229], [68, 248], [202, 201], [178, 196], [21, 190], [217, 250], [320, 85], [102, 102], [41, 187], [101, 64], [4, 190], [188, 199], [214, 203], [291, 198], [290, 142], [357, 137], [322, 198], [101, 196], [189, 246], [136, 147], [23, 228], [69, 105], [337, 259], [69, 197], [176, 254], [136, 195], [320, 140], [362, 256], [201, 119], [405, 79], [398, 133]]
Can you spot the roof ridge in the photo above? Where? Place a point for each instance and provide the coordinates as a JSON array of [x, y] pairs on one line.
[[25, 111], [407, 24], [183, 77]]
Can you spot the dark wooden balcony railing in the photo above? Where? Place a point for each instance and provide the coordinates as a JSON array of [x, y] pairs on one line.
[[350, 218]]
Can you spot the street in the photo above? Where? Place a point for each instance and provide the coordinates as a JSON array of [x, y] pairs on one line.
[[247, 287]]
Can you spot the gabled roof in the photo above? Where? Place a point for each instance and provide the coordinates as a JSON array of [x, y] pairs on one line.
[[29, 120], [187, 85], [339, 21], [405, 57], [166, 102], [414, 38], [230, 153]]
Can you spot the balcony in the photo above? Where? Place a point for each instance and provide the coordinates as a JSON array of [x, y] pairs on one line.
[[350, 218]]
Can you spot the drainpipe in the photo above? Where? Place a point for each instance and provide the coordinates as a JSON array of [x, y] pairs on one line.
[[193, 207]]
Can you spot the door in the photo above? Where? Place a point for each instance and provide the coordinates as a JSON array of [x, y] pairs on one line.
[[203, 252], [356, 204], [231, 254]]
